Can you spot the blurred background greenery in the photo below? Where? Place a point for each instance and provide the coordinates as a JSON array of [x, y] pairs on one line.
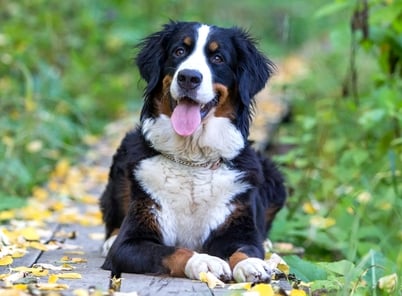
[[66, 70]]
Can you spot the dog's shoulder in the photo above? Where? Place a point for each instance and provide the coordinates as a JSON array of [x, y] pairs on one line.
[[133, 148]]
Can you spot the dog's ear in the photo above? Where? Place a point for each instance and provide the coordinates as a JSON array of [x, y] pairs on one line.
[[253, 71], [150, 61]]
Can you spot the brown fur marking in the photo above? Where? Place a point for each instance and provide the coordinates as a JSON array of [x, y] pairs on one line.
[[163, 101], [213, 46], [176, 262], [225, 106], [188, 41], [236, 258]]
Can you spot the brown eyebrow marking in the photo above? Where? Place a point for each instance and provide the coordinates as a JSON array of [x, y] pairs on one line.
[[213, 46], [188, 41]]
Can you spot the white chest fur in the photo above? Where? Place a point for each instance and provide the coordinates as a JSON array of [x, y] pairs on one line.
[[193, 201]]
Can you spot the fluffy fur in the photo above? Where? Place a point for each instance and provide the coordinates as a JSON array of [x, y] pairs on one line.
[[186, 192]]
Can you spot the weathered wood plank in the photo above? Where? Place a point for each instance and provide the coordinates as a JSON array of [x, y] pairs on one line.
[[146, 285]]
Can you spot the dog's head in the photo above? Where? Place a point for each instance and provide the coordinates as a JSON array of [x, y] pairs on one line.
[[196, 73]]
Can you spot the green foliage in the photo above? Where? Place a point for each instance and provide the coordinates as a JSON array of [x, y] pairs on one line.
[[346, 167], [346, 278]]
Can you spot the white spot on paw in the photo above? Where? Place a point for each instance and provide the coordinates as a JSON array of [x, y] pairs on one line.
[[203, 263], [107, 245], [252, 270]]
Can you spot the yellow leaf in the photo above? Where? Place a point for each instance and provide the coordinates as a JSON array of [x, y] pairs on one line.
[[53, 278], [69, 276], [79, 260], [61, 169], [7, 215], [38, 246], [51, 287], [263, 289], [30, 234], [297, 292], [90, 199], [322, 222], [115, 284], [388, 283], [211, 280], [18, 254], [40, 193], [3, 276], [6, 260], [284, 268], [20, 287], [40, 271], [310, 208], [240, 286]]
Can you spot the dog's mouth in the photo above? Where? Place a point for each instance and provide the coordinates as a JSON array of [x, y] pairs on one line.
[[188, 114]]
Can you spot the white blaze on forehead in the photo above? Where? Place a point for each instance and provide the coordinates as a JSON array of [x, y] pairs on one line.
[[197, 60]]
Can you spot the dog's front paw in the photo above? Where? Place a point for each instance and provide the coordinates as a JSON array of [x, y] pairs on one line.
[[203, 263], [252, 270]]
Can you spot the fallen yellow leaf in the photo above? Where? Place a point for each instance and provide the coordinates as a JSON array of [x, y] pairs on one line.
[[115, 284], [69, 275], [240, 286], [40, 193], [6, 260], [30, 234], [53, 278], [38, 246], [20, 287], [18, 254], [211, 280], [263, 289], [51, 287], [40, 272], [297, 292], [79, 260], [62, 168], [7, 215], [284, 268]]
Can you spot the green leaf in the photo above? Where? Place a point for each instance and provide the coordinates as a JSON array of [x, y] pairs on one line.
[[332, 8], [340, 267], [305, 270], [10, 202]]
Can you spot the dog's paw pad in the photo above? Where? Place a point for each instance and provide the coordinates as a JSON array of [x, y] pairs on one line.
[[107, 245], [252, 270], [203, 263]]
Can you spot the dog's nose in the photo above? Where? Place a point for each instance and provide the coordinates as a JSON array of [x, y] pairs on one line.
[[189, 79]]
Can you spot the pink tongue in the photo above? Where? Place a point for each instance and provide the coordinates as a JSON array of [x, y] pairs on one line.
[[186, 118]]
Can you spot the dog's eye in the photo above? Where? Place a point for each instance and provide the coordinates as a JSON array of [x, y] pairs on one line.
[[217, 59], [180, 51]]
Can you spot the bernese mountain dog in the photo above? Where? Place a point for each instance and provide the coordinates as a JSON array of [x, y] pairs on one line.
[[186, 192]]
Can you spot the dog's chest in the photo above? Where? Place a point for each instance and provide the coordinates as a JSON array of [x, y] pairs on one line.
[[193, 201]]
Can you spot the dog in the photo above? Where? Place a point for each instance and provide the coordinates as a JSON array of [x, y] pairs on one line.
[[186, 192]]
